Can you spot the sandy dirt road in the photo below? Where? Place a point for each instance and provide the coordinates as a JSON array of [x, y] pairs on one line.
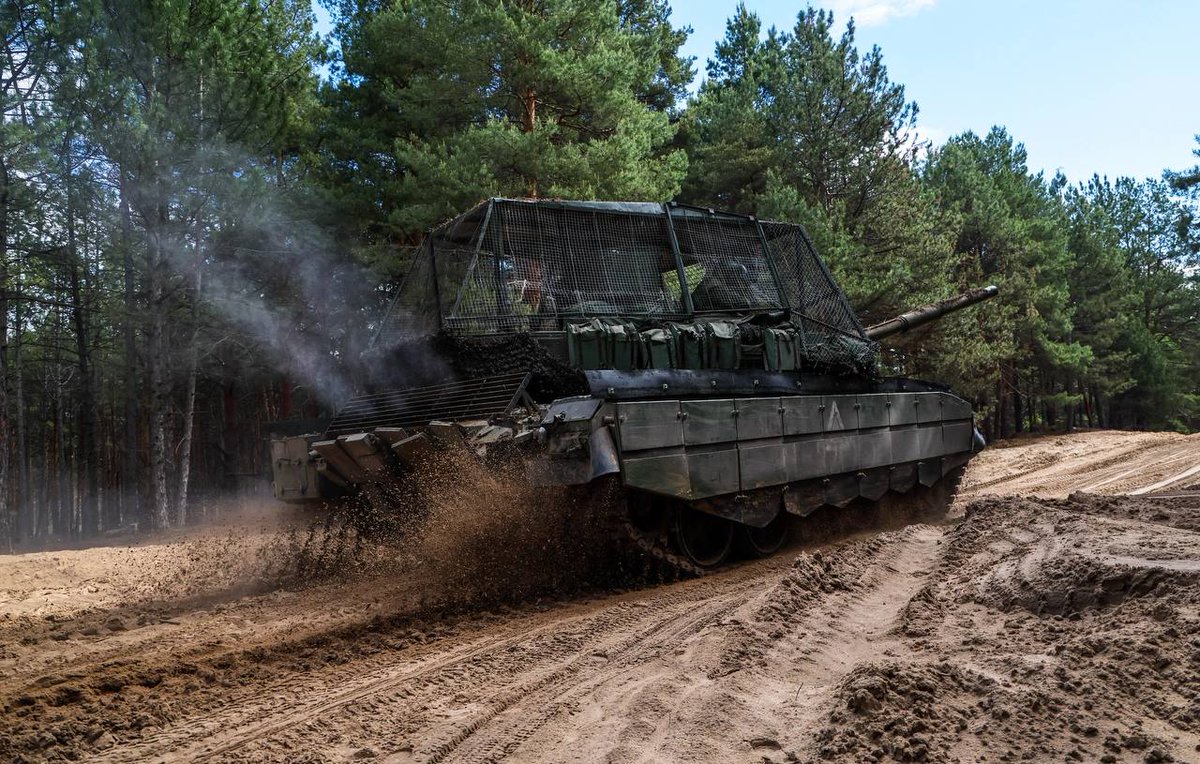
[[1105, 463], [1038, 628]]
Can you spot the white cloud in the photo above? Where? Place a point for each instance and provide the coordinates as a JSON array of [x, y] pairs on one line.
[[869, 13], [927, 138], [933, 135]]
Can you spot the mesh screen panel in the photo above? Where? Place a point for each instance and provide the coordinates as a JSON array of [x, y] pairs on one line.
[[542, 263], [830, 330], [414, 312], [734, 275]]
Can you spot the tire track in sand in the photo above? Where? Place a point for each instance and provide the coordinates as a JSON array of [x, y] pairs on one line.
[[1103, 462]]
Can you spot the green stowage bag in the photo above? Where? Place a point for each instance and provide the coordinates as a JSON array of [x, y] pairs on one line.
[[659, 348], [781, 349], [689, 345], [587, 345], [624, 345], [722, 344]]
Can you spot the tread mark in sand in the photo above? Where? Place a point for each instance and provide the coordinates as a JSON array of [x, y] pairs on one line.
[[552, 682], [617, 616]]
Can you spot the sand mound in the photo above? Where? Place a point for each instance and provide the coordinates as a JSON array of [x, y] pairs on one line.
[[1050, 558], [1181, 512], [907, 712], [1063, 630]]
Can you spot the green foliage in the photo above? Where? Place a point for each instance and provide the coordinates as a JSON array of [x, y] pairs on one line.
[[570, 98], [1010, 231], [1186, 180], [800, 126], [1150, 302]]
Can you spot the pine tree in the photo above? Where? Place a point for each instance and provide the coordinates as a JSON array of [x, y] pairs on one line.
[[442, 104], [1152, 231], [1011, 230], [1185, 180], [182, 99], [800, 126]]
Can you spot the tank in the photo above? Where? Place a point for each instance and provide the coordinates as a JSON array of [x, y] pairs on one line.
[[703, 363]]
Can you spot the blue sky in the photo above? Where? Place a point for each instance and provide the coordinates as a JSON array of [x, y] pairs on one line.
[[1089, 86]]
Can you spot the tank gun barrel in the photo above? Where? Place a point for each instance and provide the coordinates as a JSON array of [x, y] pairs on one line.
[[931, 312]]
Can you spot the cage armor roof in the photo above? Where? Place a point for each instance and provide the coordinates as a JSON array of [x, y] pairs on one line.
[[512, 266]]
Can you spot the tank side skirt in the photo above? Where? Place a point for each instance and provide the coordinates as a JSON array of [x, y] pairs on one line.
[[716, 453]]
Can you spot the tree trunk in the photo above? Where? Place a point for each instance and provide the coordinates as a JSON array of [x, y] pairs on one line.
[[285, 398], [89, 453], [5, 530], [229, 432], [159, 507], [528, 124], [189, 416], [130, 467], [61, 476], [1018, 412], [45, 471], [26, 508], [998, 427]]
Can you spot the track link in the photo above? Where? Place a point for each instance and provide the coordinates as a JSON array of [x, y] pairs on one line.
[[653, 547]]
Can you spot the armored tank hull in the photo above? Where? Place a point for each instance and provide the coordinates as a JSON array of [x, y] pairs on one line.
[[705, 363]]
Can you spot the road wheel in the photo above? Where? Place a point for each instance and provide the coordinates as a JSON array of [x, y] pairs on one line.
[[704, 539], [766, 541]]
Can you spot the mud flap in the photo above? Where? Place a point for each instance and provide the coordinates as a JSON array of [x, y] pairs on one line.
[[841, 490], [801, 502], [954, 461], [603, 451], [873, 484], [929, 471], [903, 477]]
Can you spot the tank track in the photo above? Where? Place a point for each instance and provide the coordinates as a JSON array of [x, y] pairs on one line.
[[655, 549]]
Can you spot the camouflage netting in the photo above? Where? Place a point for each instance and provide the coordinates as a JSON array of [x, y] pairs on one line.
[[488, 356], [429, 360], [510, 267]]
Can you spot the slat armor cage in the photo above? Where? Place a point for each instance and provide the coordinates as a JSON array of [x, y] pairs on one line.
[[512, 266]]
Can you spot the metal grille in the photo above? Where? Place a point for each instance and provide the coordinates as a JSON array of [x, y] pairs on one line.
[[414, 311], [830, 330], [432, 286], [542, 262], [478, 398], [511, 266], [725, 254]]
